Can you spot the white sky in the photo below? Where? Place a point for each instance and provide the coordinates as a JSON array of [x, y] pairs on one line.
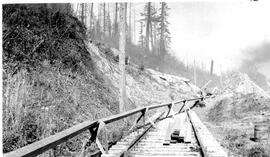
[[218, 31]]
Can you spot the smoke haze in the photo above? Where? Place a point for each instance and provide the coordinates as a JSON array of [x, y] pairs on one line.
[[256, 58]]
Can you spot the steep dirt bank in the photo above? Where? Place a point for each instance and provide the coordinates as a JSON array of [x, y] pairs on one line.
[[144, 87], [232, 114]]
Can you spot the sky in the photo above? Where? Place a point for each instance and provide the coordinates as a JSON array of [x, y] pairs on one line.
[[221, 31]]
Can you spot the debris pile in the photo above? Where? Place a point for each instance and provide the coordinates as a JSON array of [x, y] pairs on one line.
[[241, 99], [239, 83]]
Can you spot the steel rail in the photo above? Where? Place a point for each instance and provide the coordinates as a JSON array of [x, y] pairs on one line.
[[134, 142], [52, 141]]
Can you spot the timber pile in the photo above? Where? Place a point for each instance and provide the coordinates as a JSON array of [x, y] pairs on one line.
[[178, 131]]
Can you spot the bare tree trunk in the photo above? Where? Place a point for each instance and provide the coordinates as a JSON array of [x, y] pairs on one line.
[[151, 35], [104, 19], [91, 27], [98, 23], [162, 42], [85, 14], [130, 28], [126, 21], [99, 12], [122, 43], [115, 20], [109, 22], [82, 12], [91, 17], [148, 25], [77, 9], [134, 25], [155, 36]]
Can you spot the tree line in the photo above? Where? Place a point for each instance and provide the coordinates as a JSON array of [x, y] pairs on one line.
[[153, 33]]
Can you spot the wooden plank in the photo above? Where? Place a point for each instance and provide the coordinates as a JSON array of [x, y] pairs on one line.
[[41, 146], [210, 147], [188, 133]]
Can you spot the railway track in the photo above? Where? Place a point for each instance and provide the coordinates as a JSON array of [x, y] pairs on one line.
[[164, 134], [199, 141]]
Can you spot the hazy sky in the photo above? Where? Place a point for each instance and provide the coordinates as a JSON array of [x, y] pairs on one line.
[[221, 31]]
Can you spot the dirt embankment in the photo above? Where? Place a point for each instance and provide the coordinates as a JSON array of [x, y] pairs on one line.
[[233, 113]]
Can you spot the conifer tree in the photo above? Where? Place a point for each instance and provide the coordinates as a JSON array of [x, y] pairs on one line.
[[91, 17], [98, 25], [108, 22], [82, 12], [149, 15], [141, 36], [163, 30]]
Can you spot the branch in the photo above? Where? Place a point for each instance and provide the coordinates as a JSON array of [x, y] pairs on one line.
[[34, 49]]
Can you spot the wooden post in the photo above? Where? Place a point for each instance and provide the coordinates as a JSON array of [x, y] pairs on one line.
[[212, 67], [122, 43]]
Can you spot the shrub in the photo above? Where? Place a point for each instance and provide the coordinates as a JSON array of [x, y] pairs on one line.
[[141, 67], [257, 152]]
